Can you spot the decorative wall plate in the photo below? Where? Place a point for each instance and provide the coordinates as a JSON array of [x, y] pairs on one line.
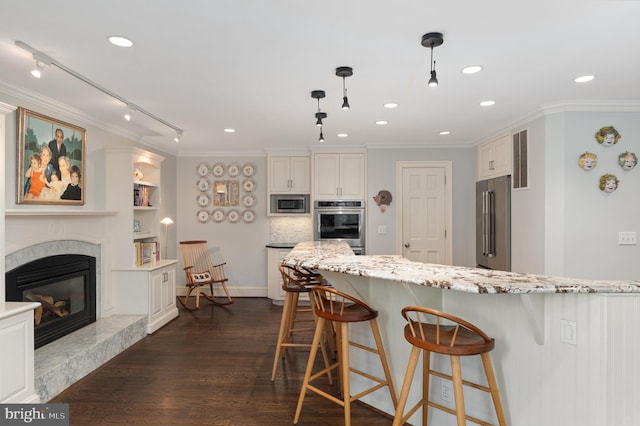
[[588, 161], [627, 160], [248, 216], [608, 136], [217, 215], [233, 169], [203, 200], [609, 182], [233, 216], [248, 200], [248, 185], [203, 184], [248, 169], [218, 170], [203, 216], [203, 169]]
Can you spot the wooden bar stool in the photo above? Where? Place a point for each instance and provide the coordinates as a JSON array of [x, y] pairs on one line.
[[455, 338], [331, 305], [296, 281]]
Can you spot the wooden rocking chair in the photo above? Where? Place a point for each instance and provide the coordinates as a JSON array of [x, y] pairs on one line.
[[201, 271]]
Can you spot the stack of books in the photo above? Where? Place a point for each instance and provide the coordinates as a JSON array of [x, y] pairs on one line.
[[141, 195], [146, 252]]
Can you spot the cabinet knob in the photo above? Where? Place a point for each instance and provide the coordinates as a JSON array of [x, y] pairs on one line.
[[407, 245]]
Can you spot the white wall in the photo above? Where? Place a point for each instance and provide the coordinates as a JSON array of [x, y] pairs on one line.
[[241, 245], [579, 222], [381, 174]]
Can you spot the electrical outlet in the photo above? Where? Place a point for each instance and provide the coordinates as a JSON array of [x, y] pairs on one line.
[[446, 391], [627, 239], [382, 229], [568, 332]]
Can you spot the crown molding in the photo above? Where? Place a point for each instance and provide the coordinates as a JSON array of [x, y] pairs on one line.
[[591, 106]]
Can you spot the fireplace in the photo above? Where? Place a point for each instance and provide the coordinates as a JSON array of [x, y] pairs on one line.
[[65, 285]]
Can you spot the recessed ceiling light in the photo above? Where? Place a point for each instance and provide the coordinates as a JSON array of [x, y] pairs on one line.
[[391, 105], [471, 69], [584, 78], [445, 132], [487, 103], [342, 135], [230, 130], [381, 122], [120, 41]]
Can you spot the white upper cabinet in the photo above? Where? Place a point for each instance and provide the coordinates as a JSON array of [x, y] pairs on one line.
[[339, 176], [494, 158], [289, 174]]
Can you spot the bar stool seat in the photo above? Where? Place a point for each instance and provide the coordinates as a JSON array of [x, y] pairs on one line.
[[455, 338], [333, 306], [296, 281]]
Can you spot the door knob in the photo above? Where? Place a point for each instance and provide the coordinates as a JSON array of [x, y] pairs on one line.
[[406, 245]]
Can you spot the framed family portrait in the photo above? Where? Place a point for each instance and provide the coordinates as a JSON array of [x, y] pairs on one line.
[[50, 160]]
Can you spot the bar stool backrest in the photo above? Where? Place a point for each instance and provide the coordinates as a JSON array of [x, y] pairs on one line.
[[298, 279], [444, 333], [335, 305]]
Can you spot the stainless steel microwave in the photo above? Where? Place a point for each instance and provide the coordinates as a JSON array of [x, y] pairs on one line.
[[289, 204]]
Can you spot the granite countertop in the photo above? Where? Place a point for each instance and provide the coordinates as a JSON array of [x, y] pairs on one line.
[[336, 256]]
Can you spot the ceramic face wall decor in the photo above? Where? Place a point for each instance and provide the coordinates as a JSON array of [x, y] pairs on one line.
[[608, 183], [588, 161], [627, 160], [608, 136]]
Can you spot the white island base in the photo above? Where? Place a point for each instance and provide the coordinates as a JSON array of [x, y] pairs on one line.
[[548, 374]]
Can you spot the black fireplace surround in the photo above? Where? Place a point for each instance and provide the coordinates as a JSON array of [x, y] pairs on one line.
[[65, 285]]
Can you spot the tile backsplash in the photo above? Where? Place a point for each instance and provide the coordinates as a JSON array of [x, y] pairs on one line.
[[291, 229]]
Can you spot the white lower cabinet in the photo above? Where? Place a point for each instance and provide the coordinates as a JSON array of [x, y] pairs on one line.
[[274, 278], [148, 290]]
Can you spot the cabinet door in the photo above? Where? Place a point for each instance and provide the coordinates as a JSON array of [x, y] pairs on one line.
[[352, 176], [279, 176], [169, 288], [485, 161], [156, 305], [300, 175], [326, 176], [502, 156]]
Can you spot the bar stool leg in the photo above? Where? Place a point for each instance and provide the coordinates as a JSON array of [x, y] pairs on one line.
[[342, 329], [307, 374], [456, 373], [406, 385], [383, 359], [426, 376], [284, 330], [493, 386]]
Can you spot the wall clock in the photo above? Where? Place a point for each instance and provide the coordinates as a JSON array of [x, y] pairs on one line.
[[203, 216], [203, 184], [203, 200], [203, 169]]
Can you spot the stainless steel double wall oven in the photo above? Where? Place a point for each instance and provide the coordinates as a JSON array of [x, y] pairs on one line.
[[341, 220]]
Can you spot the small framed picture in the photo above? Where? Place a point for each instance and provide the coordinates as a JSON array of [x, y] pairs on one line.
[[136, 225]]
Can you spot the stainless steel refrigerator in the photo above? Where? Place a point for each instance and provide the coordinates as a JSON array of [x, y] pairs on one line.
[[493, 223]]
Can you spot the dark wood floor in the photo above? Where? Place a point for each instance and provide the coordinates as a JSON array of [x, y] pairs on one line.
[[210, 367]]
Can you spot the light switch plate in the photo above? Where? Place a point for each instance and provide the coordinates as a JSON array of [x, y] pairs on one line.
[[627, 239]]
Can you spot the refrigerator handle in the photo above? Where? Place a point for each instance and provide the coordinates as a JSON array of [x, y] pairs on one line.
[[491, 237], [484, 223]]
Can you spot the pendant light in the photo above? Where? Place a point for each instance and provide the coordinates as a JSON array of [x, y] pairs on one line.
[[344, 72], [432, 40], [319, 94]]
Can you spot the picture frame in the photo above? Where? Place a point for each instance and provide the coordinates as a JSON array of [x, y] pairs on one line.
[[41, 139]]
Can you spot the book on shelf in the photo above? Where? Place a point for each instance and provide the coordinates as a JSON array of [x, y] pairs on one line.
[[146, 252], [141, 195]]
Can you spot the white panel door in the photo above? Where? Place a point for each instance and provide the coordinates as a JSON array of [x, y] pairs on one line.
[[424, 214]]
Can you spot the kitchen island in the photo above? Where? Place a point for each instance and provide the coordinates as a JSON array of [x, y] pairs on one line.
[[566, 349]]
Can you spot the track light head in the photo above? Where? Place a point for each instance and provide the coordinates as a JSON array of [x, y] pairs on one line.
[[345, 103], [178, 135], [321, 138], [433, 81], [319, 117]]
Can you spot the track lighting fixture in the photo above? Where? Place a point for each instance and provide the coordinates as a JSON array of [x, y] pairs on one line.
[[344, 72], [432, 40], [129, 113], [43, 60]]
